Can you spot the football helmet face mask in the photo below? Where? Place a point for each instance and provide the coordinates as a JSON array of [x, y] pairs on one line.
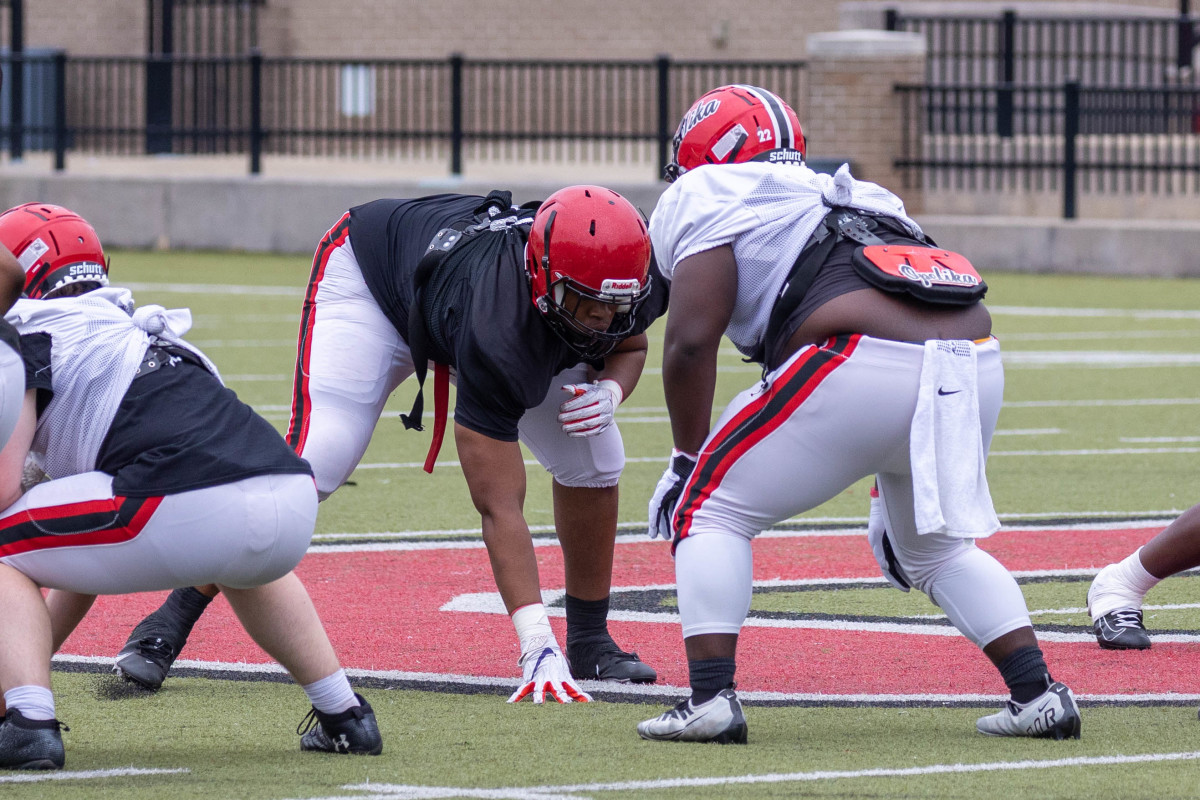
[[588, 243], [59, 251], [733, 124]]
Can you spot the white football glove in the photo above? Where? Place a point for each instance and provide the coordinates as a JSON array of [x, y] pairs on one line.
[[546, 673], [666, 493], [591, 409]]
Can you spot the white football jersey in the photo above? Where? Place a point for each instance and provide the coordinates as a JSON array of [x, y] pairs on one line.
[[97, 346], [767, 212]]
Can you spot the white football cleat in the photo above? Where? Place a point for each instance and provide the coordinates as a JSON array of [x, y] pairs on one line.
[[1051, 715], [719, 720]]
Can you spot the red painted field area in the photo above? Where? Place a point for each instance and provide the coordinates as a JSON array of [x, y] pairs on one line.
[[382, 612]]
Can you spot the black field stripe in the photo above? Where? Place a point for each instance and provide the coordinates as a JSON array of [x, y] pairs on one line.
[[73, 524], [331, 240], [780, 397]]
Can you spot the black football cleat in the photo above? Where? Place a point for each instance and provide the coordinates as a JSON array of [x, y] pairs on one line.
[[353, 731], [146, 660], [1122, 630], [605, 661], [30, 743]]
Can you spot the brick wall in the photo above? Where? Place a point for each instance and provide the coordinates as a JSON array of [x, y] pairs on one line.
[[851, 110], [86, 27], [540, 29]]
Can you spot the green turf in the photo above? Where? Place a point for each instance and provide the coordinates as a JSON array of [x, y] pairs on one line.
[[237, 739]]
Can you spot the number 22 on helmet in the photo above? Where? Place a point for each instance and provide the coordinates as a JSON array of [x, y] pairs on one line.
[[736, 123]]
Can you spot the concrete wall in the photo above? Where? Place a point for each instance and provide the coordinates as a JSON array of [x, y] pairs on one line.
[[290, 215]]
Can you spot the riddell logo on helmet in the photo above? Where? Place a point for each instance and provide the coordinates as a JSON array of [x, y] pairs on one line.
[[620, 287]]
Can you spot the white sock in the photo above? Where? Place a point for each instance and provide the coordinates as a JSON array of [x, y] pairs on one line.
[[1135, 575], [1120, 585], [34, 702], [332, 694]]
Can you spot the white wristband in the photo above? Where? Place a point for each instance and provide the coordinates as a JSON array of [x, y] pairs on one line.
[[615, 388], [532, 623]]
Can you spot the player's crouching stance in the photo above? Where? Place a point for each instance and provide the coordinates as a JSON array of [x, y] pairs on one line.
[[160, 478], [537, 313], [870, 339]]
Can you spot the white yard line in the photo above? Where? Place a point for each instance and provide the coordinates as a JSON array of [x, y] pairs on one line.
[[580, 791], [632, 533], [215, 288], [86, 775], [1127, 313]]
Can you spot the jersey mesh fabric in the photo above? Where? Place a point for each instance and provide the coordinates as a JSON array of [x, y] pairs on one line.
[[767, 212], [97, 350]]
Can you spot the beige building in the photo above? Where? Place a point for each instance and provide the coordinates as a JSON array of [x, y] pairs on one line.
[[844, 94], [539, 29]]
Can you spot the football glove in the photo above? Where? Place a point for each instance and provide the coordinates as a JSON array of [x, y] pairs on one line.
[[32, 473], [666, 493], [591, 409], [546, 673]]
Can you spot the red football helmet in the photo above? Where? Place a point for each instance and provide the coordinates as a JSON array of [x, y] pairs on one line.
[[593, 242], [56, 247], [736, 123]]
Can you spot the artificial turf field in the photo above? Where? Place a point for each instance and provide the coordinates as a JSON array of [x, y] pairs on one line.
[[852, 689]]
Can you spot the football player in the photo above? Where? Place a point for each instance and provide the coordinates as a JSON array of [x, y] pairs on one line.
[[159, 477], [871, 341], [538, 311]]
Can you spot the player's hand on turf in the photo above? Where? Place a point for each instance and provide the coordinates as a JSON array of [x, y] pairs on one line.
[[546, 674], [591, 408], [666, 493]]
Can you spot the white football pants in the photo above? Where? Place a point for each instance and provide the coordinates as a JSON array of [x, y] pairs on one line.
[[75, 534], [828, 417]]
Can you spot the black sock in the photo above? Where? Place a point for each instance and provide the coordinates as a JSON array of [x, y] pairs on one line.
[[184, 607], [1025, 673], [587, 621], [708, 676]]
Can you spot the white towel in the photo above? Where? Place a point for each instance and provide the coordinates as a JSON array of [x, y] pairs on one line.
[[950, 488]]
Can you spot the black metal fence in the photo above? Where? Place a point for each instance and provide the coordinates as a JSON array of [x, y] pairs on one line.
[[1045, 50], [1066, 138], [1039, 103], [253, 105]]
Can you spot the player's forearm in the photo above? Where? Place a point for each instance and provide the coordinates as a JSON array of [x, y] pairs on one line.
[[625, 364], [514, 564], [689, 383]]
